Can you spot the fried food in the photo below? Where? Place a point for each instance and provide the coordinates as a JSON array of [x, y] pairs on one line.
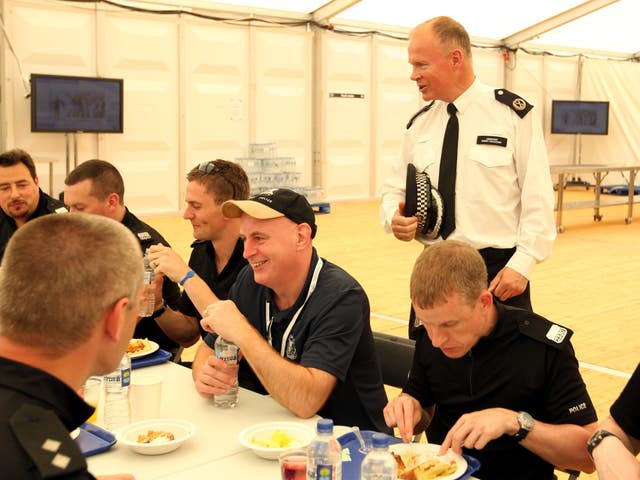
[[136, 345], [412, 467], [156, 436]]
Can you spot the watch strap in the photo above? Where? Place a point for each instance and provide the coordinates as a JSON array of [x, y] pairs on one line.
[[596, 439]]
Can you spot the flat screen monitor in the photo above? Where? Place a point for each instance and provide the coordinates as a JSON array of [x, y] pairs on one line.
[[76, 104], [577, 116]]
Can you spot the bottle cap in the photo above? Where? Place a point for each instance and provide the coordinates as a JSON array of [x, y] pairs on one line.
[[325, 425], [380, 440]]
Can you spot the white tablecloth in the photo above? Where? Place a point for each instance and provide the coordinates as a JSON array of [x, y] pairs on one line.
[[214, 446]]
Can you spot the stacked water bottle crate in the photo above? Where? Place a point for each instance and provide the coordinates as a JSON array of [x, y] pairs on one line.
[[267, 170]]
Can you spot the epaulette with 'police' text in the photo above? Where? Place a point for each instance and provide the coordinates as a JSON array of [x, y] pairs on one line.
[[46, 442], [513, 101], [420, 112], [545, 331]]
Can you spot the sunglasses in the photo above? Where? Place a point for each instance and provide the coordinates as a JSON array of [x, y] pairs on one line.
[[212, 168]]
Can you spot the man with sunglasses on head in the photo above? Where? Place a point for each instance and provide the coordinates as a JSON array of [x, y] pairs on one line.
[[216, 256], [96, 187]]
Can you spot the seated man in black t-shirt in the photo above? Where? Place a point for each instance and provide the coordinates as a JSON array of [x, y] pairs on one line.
[[96, 187], [615, 445], [216, 257], [21, 198], [497, 382], [301, 322]]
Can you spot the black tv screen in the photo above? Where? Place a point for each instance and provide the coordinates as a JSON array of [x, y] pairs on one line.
[[76, 104], [577, 116]]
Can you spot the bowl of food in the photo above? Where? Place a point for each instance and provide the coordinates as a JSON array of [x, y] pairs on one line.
[[156, 436], [270, 439]]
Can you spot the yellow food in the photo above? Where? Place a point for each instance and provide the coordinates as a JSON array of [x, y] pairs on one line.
[[278, 439]]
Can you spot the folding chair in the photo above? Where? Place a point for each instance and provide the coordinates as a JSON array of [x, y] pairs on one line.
[[396, 356]]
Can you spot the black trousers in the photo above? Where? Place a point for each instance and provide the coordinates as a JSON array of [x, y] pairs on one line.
[[495, 260]]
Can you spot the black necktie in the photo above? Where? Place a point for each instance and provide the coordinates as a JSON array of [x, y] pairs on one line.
[[447, 175]]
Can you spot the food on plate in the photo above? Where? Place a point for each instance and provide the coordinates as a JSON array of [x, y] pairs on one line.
[[155, 437], [278, 439], [136, 345], [412, 466]]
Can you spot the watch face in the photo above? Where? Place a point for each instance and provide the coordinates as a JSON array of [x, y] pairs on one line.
[[525, 420]]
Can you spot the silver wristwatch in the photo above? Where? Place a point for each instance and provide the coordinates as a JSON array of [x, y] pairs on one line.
[[526, 425]]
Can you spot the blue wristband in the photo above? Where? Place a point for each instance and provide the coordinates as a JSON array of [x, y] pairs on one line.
[[189, 274]]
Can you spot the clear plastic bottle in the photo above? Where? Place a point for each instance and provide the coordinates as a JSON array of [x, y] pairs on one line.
[[116, 411], [228, 352], [324, 455], [379, 463], [147, 306]]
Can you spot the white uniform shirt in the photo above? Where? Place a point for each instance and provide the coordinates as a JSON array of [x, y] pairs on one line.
[[504, 194]]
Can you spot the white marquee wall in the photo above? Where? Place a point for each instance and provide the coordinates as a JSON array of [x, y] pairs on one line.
[[197, 90]]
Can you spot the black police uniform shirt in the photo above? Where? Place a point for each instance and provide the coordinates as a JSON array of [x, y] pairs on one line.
[[147, 327], [525, 364], [203, 262], [625, 409], [8, 227], [37, 412], [332, 333]]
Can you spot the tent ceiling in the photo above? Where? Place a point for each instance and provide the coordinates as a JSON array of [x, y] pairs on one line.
[[604, 26]]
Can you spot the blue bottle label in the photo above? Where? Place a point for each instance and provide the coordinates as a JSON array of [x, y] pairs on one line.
[[324, 472]]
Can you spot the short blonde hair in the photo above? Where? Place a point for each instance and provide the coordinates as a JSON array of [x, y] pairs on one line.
[[445, 268], [60, 274], [450, 33]]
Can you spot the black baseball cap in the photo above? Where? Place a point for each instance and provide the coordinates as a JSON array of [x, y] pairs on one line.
[[280, 202]]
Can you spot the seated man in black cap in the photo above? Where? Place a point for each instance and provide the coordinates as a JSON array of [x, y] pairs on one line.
[[301, 322]]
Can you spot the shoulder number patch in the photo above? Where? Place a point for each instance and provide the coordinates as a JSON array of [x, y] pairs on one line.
[[556, 333]]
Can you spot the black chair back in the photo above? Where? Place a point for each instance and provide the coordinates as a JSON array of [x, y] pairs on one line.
[[396, 356]]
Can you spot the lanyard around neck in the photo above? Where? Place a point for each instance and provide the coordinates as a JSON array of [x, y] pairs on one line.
[[269, 319]]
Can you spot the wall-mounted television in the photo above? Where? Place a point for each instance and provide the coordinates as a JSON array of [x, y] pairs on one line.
[[62, 103], [577, 116]]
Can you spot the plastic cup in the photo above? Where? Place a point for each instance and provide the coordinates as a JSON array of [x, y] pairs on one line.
[[293, 465], [145, 395], [91, 394]]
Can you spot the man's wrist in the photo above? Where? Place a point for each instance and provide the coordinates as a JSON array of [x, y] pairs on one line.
[[160, 310], [186, 277], [596, 439]]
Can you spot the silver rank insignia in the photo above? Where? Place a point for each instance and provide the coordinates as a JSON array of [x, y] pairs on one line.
[[144, 236]]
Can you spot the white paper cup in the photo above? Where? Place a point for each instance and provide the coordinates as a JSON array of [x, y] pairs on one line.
[[145, 396]]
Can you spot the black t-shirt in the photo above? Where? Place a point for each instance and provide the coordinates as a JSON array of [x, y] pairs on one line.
[[36, 407], [8, 227], [203, 262], [518, 367], [148, 327], [332, 333], [625, 409]]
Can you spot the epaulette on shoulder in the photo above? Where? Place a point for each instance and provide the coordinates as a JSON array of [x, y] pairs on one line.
[[46, 442], [513, 101], [545, 331], [420, 112]]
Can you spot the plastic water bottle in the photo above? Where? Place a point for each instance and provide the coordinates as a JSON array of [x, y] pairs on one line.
[[379, 463], [324, 455], [116, 395], [228, 352], [148, 304]]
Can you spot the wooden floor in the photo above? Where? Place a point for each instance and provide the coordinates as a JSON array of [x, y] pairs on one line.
[[591, 283]]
